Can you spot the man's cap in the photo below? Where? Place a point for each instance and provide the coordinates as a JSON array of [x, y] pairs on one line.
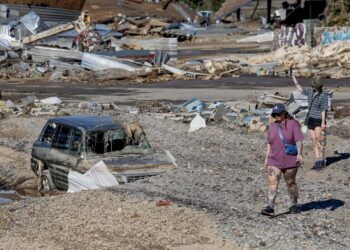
[[279, 108]]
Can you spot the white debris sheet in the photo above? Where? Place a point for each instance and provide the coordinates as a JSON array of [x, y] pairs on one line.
[[97, 177], [261, 38], [197, 123], [97, 62], [173, 70], [51, 100], [171, 158]]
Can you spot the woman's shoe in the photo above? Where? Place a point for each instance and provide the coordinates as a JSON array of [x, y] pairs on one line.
[[268, 211], [315, 166], [318, 165], [294, 210]]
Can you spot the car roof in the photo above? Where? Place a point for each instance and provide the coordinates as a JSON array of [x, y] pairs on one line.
[[87, 122]]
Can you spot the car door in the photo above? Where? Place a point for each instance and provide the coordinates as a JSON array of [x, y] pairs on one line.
[[75, 148], [42, 145], [60, 161]]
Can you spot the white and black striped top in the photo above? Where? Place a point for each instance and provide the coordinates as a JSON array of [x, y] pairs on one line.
[[317, 103]]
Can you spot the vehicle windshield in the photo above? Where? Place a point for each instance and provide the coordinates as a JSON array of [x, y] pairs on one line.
[[101, 142]]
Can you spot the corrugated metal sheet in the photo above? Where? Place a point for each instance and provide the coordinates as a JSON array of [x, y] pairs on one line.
[[5, 29], [43, 54], [47, 14], [230, 6], [97, 62], [62, 4]]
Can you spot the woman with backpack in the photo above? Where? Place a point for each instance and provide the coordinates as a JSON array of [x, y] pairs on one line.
[[283, 157]]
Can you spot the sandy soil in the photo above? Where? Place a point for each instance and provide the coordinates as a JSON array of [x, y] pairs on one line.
[[104, 220]]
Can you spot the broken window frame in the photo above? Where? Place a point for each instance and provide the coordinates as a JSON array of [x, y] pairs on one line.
[[107, 143], [76, 136], [44, 137], [56, 142]]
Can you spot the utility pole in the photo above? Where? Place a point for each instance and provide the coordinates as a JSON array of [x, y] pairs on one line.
[[310, 10], [269, 5]]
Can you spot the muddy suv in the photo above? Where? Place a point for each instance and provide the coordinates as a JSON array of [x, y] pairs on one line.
[[79, 142]]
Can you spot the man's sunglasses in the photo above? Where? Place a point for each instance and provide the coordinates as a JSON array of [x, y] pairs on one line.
[[274, 115]]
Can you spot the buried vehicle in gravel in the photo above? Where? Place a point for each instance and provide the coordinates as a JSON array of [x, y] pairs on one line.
[[79, 142]]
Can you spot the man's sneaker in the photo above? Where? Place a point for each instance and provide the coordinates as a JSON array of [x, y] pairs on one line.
[[294, 210], [268, 211]]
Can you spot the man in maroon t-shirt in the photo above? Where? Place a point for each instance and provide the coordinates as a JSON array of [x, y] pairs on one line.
[[284, 130]]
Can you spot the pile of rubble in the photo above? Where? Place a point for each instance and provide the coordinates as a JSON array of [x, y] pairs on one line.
[[80, 51], [339, 13], [52, 106], [252, 116], [140, 49], [30, 105], [326, 61]]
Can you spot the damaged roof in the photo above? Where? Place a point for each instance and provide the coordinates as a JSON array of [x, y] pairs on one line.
[[66, 4], [230, 6]]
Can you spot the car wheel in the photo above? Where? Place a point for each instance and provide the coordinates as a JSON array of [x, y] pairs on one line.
[[46, 183]]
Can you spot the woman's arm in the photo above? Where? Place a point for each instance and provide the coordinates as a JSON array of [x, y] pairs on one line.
[[297, 85], [300, 151], [300, 147], [267, 153]]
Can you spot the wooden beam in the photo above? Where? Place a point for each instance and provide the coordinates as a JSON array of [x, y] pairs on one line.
[[47, 33]]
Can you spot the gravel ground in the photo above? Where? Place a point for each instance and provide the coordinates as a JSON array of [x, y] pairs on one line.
[[104, 220], [220, 175], [221, 171]]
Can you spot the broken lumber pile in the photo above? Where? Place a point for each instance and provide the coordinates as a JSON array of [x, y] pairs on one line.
[[139, 26], [325, 61]]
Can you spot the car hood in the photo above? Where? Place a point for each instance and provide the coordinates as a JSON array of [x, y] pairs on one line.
[[151, 163]]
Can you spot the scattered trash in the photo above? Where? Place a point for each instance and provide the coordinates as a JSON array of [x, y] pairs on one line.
[[51, 100], [214, 105], [197, 123], [133, 111], [193, 105], [162, 203], [171, 158]]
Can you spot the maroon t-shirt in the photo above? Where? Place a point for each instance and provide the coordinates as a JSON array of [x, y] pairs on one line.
[[292, 133]]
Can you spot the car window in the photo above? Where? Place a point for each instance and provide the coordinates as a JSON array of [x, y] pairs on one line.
[[48, 133], [100, 142], [61, 140], [75, 142]]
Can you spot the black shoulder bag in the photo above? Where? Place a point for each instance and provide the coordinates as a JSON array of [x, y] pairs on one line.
[[308, 112]]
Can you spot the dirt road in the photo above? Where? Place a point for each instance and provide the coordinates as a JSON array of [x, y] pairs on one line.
[[225, 89]]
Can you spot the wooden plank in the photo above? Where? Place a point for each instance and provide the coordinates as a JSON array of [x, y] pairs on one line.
[[48, 33]]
